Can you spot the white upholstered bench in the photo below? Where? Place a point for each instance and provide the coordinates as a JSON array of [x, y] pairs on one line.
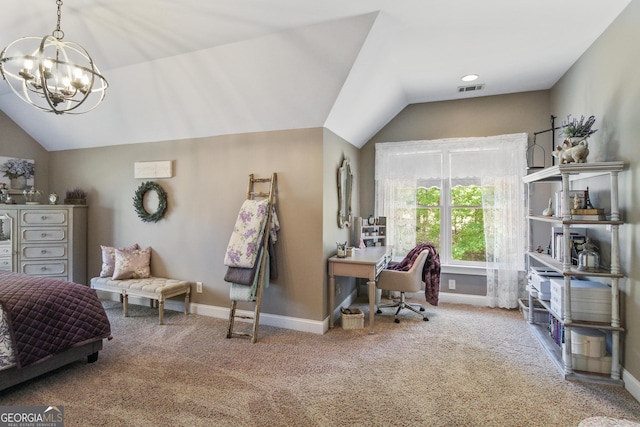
[[155, 288]]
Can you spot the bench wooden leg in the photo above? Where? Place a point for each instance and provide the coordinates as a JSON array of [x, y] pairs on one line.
[[125, 303], [161, 311], [186, 303]]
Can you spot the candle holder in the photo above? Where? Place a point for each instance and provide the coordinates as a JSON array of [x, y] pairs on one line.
[[32, 197]]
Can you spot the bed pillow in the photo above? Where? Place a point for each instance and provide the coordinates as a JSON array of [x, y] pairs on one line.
[[132, 264], [109, 258]]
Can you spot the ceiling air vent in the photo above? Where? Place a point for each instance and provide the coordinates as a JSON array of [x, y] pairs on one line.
[[470, 88]]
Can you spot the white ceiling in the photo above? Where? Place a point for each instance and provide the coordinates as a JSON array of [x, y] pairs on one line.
[[195, 68]]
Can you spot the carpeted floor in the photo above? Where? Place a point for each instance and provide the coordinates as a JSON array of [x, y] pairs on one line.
[[467, 366]]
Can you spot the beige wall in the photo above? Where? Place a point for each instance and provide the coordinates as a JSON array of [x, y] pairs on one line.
[[209, 184], [335, 149], [204, 196], [602, 83], [485, 116]]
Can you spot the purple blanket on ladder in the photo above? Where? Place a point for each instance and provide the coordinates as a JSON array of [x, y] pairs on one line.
[[430, 272]]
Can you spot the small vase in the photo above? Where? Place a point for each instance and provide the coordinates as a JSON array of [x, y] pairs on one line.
[[18, 183]]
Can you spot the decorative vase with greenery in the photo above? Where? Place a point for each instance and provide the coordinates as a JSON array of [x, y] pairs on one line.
[[77, 196], [18, 171], [576, 130]]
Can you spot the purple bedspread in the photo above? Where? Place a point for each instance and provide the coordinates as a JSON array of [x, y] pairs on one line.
[[47, 316]]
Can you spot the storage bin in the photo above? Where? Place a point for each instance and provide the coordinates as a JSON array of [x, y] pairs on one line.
[[599, 365], [590, 301], [540, 280], [352, 320], [540, 314], [588, 342]]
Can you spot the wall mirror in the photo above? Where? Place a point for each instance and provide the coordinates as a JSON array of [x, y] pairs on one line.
[[345, 183]]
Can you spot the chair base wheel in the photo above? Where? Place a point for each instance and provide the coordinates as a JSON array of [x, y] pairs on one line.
[[397, 320], [421, 308], [379, 311], [426, 319]]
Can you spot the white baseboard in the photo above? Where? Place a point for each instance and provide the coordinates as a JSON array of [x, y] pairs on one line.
[[452, 298], [286, 322], [631, 384]]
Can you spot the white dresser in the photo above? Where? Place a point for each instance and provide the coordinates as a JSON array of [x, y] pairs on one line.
[[45, 240]]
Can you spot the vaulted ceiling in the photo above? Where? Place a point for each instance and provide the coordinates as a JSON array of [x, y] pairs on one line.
[[193, 68]]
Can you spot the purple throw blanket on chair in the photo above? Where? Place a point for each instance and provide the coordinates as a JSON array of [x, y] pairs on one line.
[[430, 272]]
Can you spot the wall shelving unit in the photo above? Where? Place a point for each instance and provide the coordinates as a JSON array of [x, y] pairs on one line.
[[561, 355], [372, 235]]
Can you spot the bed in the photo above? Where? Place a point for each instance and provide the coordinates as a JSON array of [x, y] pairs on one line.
[[46, 323]]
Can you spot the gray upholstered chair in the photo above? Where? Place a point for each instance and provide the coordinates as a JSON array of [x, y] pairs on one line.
[[404, 281]]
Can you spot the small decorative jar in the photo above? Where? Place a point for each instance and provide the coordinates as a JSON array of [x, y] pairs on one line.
[[589, 258]]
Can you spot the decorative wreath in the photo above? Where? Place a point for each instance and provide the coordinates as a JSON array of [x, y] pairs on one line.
[[138, 202]]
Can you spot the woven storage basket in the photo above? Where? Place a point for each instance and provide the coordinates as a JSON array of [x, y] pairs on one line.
[[355, 320]]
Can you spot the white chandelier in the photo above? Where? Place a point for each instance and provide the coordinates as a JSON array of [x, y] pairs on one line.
[[53, 75]]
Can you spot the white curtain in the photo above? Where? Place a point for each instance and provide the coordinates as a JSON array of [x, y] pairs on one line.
[[399, 168], [498, 162]]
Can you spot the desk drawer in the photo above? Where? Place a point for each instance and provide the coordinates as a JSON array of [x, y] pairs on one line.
[[49, 217], [57, 268], [44, 234], [37, 252], [382, 264]]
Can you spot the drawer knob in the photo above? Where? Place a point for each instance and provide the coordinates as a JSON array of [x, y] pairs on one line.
[[44, 251], [43, 268], [44, 217], [43, 235]]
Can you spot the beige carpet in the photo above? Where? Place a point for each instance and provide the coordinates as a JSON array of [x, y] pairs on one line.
[[467, 366]]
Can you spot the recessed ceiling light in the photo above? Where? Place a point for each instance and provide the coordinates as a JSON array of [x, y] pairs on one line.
[[469, 77]]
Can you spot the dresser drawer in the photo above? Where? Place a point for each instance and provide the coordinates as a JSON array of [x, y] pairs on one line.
[[29, 252], [48, 217], [44, 234], [53, 268], [5, 250], [6, 263]]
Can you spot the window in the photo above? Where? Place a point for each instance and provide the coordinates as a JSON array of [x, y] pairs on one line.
[[466, 193], [451, 193]]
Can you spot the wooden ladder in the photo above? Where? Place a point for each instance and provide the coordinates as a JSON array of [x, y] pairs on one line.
[[253, 194]]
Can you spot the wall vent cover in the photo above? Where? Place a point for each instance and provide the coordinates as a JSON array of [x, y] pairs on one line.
[[470, 88]]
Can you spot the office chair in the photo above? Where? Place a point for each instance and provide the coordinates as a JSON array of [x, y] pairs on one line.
[[404, 281]]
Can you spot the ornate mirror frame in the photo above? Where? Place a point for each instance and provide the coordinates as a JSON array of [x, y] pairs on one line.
[[345, 187]]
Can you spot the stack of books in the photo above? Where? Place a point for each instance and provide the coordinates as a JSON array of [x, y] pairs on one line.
[[592, 214]]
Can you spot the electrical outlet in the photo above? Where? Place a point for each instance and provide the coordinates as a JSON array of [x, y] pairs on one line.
[[199, 287], [452, 284]]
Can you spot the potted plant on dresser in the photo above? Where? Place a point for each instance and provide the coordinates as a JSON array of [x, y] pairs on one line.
[[77, 196]]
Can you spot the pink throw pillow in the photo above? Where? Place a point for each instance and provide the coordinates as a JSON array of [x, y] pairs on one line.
[[133, 264], [109, 258]]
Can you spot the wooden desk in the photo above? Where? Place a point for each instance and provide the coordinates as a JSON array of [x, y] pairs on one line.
[[365, 263]]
